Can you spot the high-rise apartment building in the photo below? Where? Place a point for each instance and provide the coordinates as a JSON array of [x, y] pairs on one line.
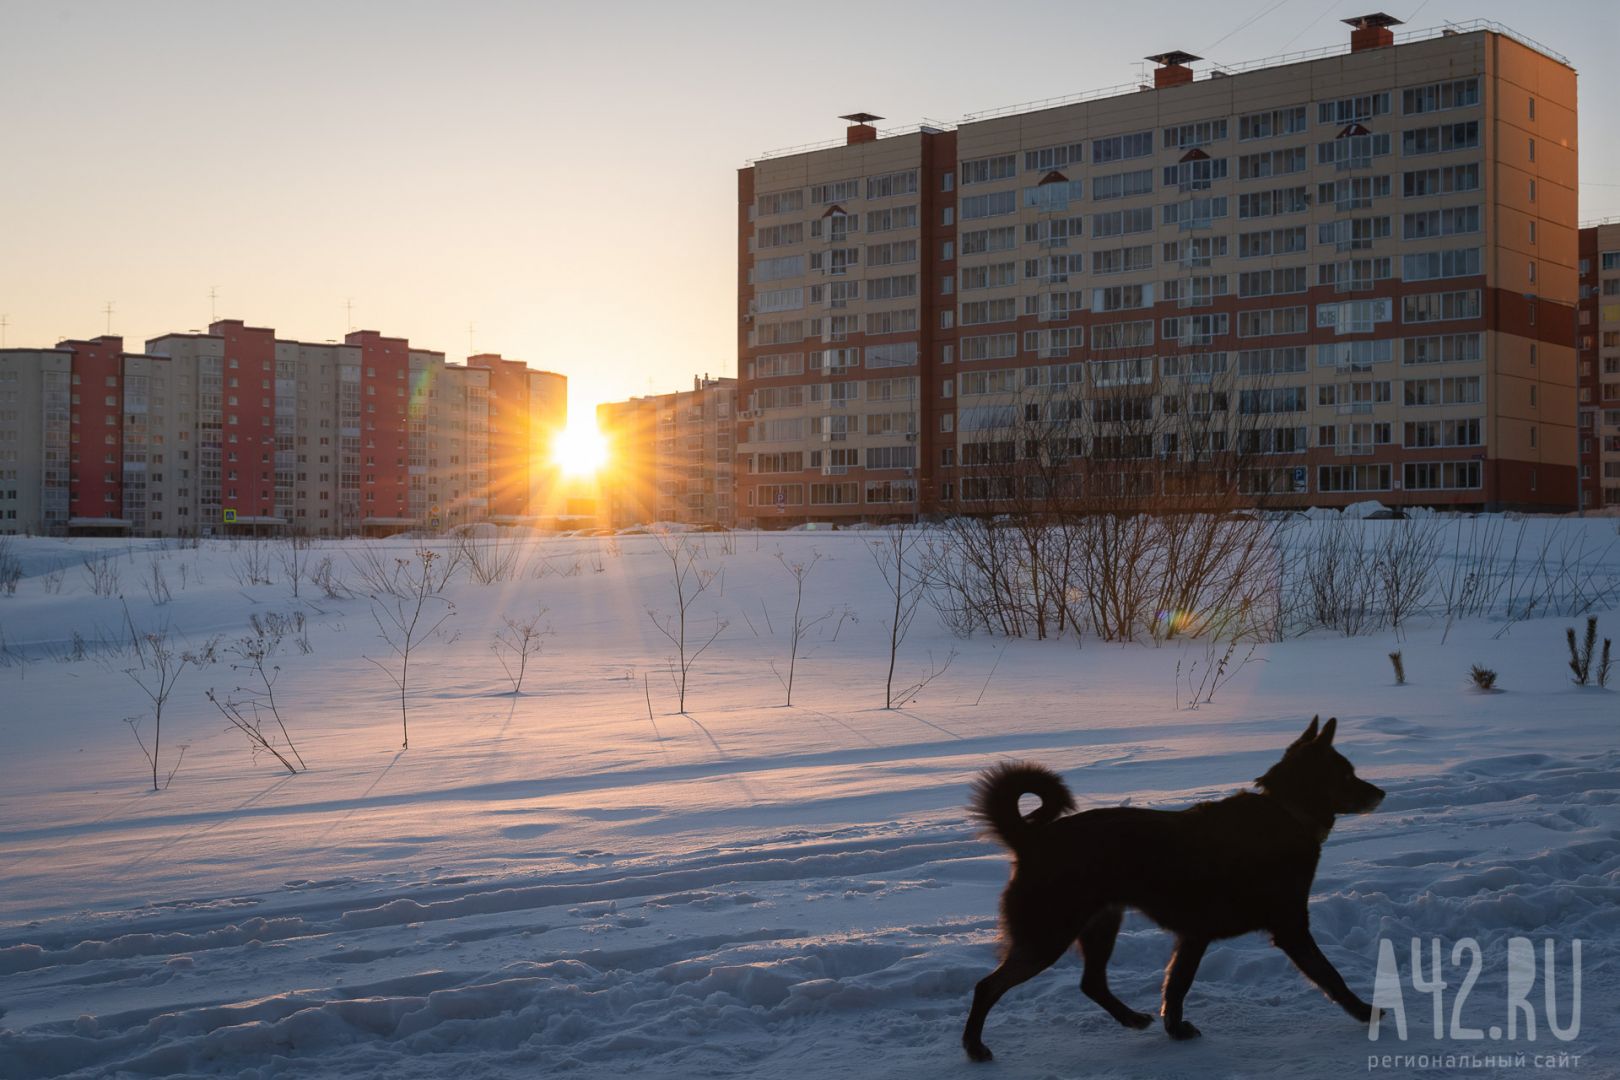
[[1599, 334], [527, 410], [671, 456], [237, 430], [35, 444], [1356, 270]]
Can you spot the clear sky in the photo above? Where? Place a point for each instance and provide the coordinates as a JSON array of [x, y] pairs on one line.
[[561, 175]]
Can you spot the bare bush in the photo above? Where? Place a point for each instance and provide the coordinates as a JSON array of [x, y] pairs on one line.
[[250, 563], [11, 570], [324, 577], [514, 644], [52, 580], [155, 583], [489, 559], [101, 573], [246, 706], [295, 554], [1482, 677]]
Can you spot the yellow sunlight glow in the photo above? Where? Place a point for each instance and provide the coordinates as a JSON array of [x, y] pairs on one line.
[[580, 449]]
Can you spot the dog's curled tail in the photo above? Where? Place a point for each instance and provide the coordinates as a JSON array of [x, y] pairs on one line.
[[996, 793]]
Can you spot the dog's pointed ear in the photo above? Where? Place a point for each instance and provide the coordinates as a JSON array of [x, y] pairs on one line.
[[1310, 733], [1326, 738]]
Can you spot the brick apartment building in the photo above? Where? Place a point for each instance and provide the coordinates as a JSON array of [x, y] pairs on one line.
[[237, 430], [672, 456], [1371, 252], [1599, 333]]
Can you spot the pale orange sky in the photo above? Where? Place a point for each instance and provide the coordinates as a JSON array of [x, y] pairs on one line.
[[561, 175]]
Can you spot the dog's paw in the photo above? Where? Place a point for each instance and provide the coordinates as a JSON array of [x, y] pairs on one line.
[[1137, 1020], [1182, 1029], [977, 1051]]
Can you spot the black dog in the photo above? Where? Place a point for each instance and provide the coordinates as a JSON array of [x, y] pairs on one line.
[[1211, 871]]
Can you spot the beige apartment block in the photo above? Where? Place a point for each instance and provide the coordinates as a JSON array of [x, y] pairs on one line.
[[1361, 266], [35, 388], [671, 456]]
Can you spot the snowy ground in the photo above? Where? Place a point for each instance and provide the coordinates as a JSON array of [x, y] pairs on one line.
[[559, 882]]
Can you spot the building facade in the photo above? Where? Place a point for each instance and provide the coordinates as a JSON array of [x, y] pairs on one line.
[[1357, 272], [671, 456], [1599, 334], [237, 430]]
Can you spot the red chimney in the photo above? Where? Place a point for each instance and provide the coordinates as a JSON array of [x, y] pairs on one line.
[[860, 128], [1172, 69], [1371, 31]]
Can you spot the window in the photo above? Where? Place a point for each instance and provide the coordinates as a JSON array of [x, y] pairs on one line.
[[1053, 197], [837, 192], [891, 184], [1121, 147], [993, 204], [1443, 181], [1440, 306], [1271, 163], [1201, 133], [1048, 158], [781, 202], [987, 169], [1122, 185], [1334, 478], [1195, 175], [1430, 265], [1271, 203], [1449, 222], [1441, 475], [1441, 139], [1269, 321], [1436, 97], [1349, 110], [1122, 222], [1442, 349], [1271, 242], [1266, 125], [1352, 151]]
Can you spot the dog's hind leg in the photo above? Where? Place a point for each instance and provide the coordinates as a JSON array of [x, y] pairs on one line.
[[1096, 946], [1022, 964], [1302, 949], [1178, 979]]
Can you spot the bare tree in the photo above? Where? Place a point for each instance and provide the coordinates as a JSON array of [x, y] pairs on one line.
[[802, 624], [156, 681], [407, 619], [688, 581], [895, 556]]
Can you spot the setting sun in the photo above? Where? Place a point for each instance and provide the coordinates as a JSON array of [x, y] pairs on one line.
[[579, 449]]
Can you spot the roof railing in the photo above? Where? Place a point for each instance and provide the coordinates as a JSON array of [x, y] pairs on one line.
[[1219, 70]]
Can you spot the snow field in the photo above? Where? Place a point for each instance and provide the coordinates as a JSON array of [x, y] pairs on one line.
[[558, 881]]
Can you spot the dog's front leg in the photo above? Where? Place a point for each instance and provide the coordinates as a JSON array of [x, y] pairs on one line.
[[1301, 948], [1178, 979]]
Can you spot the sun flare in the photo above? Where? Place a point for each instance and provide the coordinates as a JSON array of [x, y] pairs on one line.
[[580, 449]]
